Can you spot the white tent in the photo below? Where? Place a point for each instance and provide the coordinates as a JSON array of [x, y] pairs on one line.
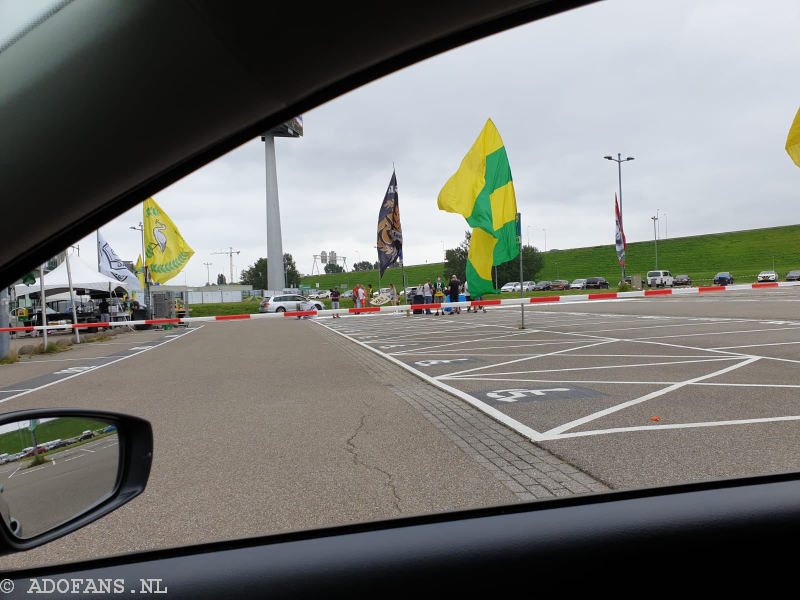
[[85, 279]]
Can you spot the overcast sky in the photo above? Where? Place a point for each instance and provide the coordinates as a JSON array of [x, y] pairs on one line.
[[701, 93]]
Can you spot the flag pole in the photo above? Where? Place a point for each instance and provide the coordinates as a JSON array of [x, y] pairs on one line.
[[403, 268], [43, 302], [521, 286], [72, 298]]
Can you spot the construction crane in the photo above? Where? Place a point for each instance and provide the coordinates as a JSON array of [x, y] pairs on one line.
[[230, 252]]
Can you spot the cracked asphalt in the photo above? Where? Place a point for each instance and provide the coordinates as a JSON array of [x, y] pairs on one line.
[[262, 427]]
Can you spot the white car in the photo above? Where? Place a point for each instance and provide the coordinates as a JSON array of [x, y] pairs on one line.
[[511, 286], [768, 276], [527, 286], [578, 284], [659, 279], [285, 302], [319, 294]]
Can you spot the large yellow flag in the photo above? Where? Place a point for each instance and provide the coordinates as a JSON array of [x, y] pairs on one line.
[[483, 192], [166, 251], [793, 140]]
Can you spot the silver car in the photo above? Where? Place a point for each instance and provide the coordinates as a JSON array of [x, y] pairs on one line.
[[286, 302]]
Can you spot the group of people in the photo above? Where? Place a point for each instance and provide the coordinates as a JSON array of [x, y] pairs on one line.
[[429, 291], [436, 292]]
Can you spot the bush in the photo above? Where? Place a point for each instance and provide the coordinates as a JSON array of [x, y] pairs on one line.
[[624, 287]]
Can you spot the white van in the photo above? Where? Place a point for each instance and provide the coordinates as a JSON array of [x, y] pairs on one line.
[[659, 279]]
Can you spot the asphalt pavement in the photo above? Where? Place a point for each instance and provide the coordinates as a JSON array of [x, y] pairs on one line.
[[259, 427], [276, 425]]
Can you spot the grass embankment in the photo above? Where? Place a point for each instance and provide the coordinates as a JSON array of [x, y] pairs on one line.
[[744, 253], [65, 428], [415, 274]]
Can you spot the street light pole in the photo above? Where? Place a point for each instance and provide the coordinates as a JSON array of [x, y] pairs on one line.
[[545, 239], [655, 238], [619, 160]]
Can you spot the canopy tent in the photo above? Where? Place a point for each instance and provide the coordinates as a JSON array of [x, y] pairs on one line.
[[85, 280]]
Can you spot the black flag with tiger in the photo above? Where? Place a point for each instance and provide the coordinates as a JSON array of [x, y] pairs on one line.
[[390, 234]]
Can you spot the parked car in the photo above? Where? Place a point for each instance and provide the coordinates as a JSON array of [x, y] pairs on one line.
[[768, 276], [511, 286], [346, 294], [681, 280], [319, 294], [541, 286], [723, 278], [527, 286], [384, 291], [596, 283], [659, 279], [559, 284], [578, 284], [290, 302], [793, 276], [88, 434]]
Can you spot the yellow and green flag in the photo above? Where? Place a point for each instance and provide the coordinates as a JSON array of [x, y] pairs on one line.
[[793, 140], [140, 271], [483, 192], [166, 251]]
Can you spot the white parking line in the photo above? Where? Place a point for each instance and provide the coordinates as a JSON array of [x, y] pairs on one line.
[[600, 368], [501, 417], [121, 358], [602, 413]]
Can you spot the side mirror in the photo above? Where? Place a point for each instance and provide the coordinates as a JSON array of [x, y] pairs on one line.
[[61, 469]]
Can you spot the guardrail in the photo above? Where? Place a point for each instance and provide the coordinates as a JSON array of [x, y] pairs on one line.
[[432, 306]]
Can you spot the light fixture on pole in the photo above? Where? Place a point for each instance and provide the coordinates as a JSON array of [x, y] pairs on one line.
[[655, 238], [619, 160], [208, 272]]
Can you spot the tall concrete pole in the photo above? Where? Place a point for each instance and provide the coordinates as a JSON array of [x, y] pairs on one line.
[[4, 336], [275, 274]]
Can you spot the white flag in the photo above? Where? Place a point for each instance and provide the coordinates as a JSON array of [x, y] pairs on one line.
[[111, 265]]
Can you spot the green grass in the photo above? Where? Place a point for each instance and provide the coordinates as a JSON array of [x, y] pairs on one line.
[[415, 274], [743, 253], [14, 441]]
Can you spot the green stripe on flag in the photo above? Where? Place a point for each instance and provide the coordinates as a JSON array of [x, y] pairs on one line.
[[477, 285], [507, 246], [498, 174]]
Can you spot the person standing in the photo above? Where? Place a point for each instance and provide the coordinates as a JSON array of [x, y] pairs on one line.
[[369, 293], [438, 292], [362, 296], [393, 295], [335, 301], [455, 287], [428, 292], [105, 317], [467, 297]]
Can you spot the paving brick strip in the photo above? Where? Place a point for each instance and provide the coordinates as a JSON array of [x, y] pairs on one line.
[[529, 471]]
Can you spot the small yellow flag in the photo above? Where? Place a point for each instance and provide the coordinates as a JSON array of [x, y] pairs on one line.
[[140, 271], [166, 251], [793, 140]]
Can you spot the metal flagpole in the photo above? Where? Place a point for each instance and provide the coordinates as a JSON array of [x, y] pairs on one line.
[[72, 297], [42, 301], [521, 287], [405, 293]]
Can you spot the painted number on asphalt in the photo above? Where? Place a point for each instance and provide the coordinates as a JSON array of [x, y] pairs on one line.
[[74, 370], [515, 394], [445, 361]]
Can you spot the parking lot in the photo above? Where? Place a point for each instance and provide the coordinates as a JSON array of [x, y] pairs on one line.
[[635, 392]]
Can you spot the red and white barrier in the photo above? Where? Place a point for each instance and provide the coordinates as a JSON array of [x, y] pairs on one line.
[[432, 306]]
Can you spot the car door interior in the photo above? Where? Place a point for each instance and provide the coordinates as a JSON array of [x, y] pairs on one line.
[[215, 66]]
